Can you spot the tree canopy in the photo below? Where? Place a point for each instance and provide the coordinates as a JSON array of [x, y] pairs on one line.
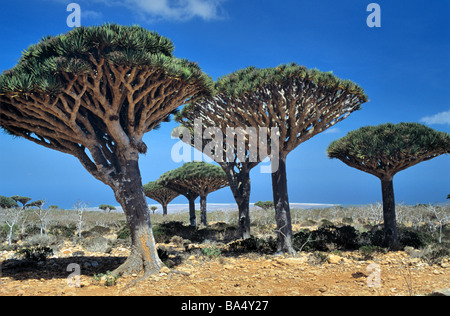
[[386, 149], [200, 176], [7, 202], [160, 193], [98, 87], [197, 179]]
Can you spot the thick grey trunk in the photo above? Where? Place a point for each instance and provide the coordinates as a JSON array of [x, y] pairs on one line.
[[282, 209], [203, 210], [192, 217], [390, 221], [129, 193], [244, 218], [240, 186]]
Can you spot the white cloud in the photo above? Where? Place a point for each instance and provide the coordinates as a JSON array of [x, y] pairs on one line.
[[440, 118], [89, 14], [180, 10], [333, 130]]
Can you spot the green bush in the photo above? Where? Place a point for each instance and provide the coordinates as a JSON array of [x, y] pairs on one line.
[[64, 231], [124, 233], [212, 252]]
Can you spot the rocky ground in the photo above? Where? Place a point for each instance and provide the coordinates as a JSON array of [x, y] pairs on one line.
[[390, 274]]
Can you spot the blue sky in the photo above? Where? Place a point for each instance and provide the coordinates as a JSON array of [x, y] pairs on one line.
[[403, 67]]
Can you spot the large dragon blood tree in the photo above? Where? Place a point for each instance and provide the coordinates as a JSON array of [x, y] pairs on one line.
[[297, 102], [385, 150], [93, 93]]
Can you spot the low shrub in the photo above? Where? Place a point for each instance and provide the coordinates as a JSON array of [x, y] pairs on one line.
[[327, 238], [35, 254], [64, 231], [124, 233], [254, 244]]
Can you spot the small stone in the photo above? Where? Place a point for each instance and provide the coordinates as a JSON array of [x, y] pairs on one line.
[[323, 289], [165, 270], [334, 259]]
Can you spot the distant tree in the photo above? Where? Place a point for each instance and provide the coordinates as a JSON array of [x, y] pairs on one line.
[[161, 194], [12, 217], [7, 202], [385, 150], [53, 207], [107, 208], [80, 208], [264, 205], [200, 177], [40, 213], [21, 199], [93, 93], [153, 209]]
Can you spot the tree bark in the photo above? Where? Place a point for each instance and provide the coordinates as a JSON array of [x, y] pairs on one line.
[[164, 206], [244, 218], [282, 209], [203, 210], [390, 222], [129, 193], [192, 217], [240, 186]]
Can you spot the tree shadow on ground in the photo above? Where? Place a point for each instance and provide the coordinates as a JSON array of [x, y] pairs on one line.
[[55, 268]]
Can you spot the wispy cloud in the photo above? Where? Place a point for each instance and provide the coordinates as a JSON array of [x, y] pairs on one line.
[[440, 118], [333, 130], [89, 14], [174, 10], [178, 10]]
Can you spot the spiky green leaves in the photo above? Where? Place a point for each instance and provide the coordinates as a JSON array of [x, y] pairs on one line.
[[199, 177], [386, 149], [159, 193], [193, 170], [78, 52], [251, 78]]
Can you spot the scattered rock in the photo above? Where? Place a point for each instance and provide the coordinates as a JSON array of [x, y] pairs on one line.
[[334, 259]]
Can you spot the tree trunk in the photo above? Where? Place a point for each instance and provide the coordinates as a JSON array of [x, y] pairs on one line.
[[390, 222], [192, 218], [282, 209], [240, 186], [244, 218], [129, 193], [203, 210], [164, 206]]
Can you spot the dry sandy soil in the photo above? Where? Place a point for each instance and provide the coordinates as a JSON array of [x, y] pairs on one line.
[[244, 275]]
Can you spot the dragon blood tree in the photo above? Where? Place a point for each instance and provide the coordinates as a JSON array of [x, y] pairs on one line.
[[207, 125], [161, 194], [199, 178], [93, 93], [385, 150], [296, 102]]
